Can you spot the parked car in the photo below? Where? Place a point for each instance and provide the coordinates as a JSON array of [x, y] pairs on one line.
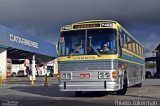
[[18, 68]]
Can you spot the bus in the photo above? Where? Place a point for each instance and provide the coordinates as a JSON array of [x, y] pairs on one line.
[[18, 67], [99, 55], [43, 69]]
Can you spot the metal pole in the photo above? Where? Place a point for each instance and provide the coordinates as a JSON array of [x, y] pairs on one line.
[[45, 78], [33, 71], [85, 51], [32, 83], [45, 81], [1, 80]]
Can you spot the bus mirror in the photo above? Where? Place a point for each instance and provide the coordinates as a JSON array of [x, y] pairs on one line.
[[120, 47]]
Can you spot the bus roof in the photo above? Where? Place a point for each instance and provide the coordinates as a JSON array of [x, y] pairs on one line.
[[106, 21], [94, 21]]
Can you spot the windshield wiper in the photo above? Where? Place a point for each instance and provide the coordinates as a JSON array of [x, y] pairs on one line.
[[90, 40], [95, 50], [75, 51]]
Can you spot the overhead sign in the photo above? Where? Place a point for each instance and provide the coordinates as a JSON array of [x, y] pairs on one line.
[[23, 41], [86, 26], [106, 24]]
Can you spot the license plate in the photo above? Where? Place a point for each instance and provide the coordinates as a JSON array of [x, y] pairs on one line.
[[85, 75]]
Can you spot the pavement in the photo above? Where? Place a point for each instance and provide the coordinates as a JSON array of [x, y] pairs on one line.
[[26, 95], [25, 81]]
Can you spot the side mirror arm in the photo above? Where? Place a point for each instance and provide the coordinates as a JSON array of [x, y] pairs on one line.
[[120, 45]]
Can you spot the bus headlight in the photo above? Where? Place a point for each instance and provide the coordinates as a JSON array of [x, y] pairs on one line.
[[67, 76], [103, 75], [114, 74]]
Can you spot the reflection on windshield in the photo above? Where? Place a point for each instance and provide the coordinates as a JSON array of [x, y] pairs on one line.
[[72, 43], [103, 41], [98, 41]]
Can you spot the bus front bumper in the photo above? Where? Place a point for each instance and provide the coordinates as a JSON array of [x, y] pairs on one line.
[[89, 86]]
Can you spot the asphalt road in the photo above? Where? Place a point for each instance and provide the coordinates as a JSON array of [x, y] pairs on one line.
[[26, 95]]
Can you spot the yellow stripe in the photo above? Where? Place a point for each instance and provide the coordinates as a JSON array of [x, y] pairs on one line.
[[130, 61], [132, 53], [94, 57], [87, 57]]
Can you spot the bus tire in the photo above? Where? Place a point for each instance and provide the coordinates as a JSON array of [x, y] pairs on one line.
[[125, 86], [78, 93]]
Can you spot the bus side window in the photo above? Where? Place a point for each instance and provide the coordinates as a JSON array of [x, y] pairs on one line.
[[121, 39], [129, 43], [142, 51], [136, 48], [124, 40], [133, 45]]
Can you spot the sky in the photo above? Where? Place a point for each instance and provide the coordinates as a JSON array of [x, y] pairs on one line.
[[44, 18]]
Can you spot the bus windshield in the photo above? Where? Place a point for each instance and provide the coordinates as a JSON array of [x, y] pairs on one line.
[[88, 42]]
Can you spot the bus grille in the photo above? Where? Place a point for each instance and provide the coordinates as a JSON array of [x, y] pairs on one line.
[[84, 66]]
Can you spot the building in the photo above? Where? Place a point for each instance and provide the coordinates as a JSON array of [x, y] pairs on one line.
[[150, 66], [17, 45], [157, 51]]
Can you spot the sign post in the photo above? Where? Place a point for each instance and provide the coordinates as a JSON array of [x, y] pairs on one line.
[[33, 76], [1, 80]]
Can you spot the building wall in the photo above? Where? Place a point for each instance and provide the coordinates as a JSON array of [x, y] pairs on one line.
[[158, 61], [3, 63]]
